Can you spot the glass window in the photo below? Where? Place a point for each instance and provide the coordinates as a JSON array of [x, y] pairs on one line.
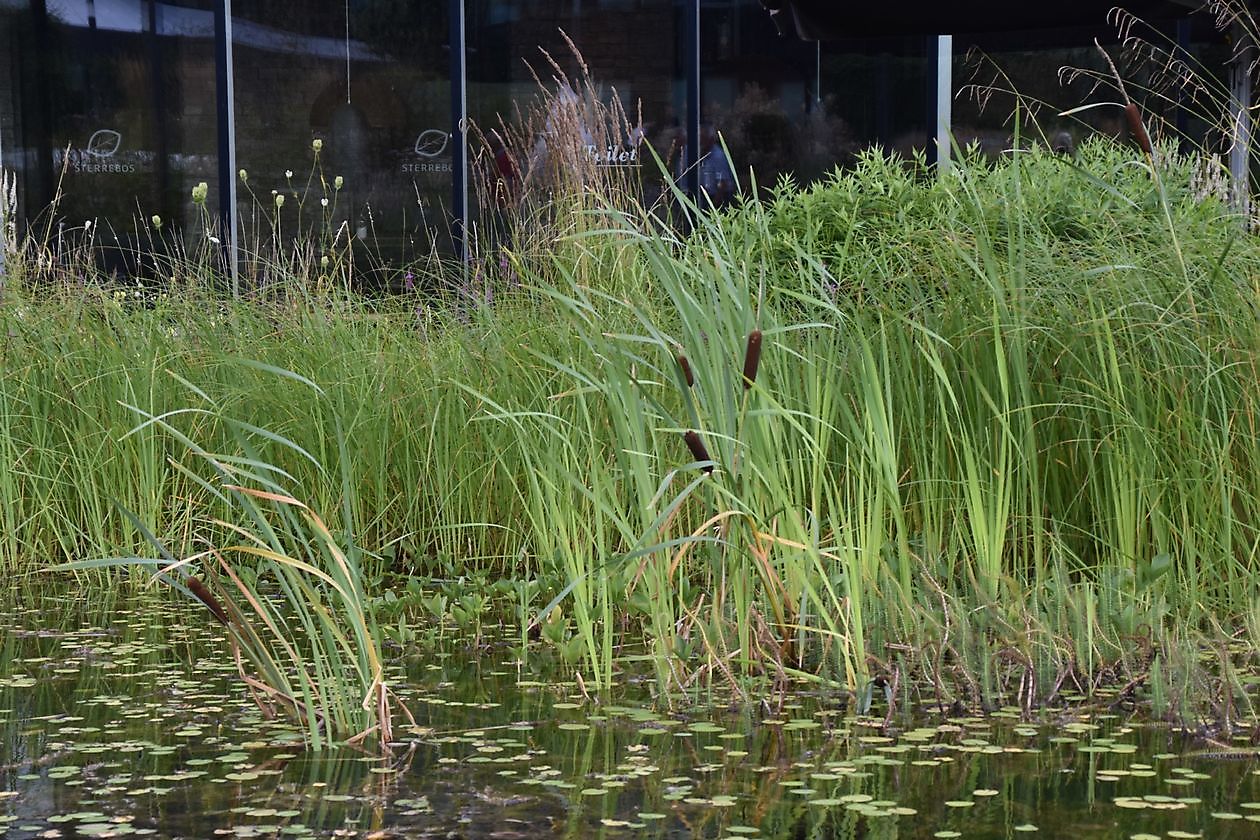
[[787, 107], [369, 83], [623, 54], [995, 72], [112, 105]]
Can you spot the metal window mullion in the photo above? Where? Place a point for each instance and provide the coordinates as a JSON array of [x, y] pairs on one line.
[[691, 56], [225, 99], [944, 100], [459, 130]]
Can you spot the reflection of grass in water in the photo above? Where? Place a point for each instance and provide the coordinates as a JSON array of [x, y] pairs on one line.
[[1007, 769]]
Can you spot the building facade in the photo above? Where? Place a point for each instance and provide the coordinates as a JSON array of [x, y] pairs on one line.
[[113, 110]]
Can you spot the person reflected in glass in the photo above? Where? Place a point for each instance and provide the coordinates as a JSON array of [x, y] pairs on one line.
[[717, 181]]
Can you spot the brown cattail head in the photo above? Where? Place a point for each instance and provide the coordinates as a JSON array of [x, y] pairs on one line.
[[204, 596], [752, 358], [686, 371], [1136, 127], [697, 450]]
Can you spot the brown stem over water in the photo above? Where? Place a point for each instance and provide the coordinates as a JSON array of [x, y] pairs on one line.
[[204, 595]]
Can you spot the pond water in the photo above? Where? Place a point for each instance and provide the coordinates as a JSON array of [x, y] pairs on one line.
[[127, 718]]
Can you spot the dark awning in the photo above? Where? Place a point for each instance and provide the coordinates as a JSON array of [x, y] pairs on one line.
[[820, 20]]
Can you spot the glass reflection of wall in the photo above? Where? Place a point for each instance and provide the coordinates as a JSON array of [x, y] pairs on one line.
[[631, 47], [370, 81], [995, 72], [786, 107], [109, 100]]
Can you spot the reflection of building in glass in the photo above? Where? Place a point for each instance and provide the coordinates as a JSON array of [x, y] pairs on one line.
[[127, 96]]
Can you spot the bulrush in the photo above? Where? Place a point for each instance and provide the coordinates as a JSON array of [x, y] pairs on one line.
[[697, 449], [752, 358], [686, 371], [1136, 127], [203, 594]]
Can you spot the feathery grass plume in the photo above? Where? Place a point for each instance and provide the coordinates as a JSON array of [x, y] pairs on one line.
[[686, 370], [549, 169], [204, 595], [752, 358], [698, 450]]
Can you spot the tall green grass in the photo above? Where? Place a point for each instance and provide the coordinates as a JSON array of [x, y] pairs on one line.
[[1000, 442]]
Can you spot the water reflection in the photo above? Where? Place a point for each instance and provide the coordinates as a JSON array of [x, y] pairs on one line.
[[131, 721]]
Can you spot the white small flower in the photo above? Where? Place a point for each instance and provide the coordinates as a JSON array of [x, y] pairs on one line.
[[288, 173], [213, 239], [87, 224], [317, 144], [323, 202], [279, 200]]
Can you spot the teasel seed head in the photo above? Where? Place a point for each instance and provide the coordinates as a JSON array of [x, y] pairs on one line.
[[1136, 128], [204, 596], [697, 449], [685, 366], [752, 358]]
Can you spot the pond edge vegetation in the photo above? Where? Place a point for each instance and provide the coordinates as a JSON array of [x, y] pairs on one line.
[[962, 441]]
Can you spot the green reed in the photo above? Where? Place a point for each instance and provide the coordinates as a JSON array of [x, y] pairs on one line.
[[987, 438]]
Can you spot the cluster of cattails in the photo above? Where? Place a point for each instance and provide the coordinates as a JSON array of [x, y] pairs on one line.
[[752, 360]]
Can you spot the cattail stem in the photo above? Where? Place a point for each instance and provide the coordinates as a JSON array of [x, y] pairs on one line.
[[1137, 128], [204, 596], [698, 450], [685, 365], [752, 358]]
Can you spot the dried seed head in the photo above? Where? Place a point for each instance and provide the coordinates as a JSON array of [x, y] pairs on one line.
[[204, 596], [697, 450], [686, 371], [752, 358], [1136, 128]]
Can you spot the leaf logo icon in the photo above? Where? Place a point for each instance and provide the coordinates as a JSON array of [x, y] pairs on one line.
[[432, 142], [104, 143]]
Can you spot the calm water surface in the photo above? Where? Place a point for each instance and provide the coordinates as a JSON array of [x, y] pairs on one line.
[[127, 718]]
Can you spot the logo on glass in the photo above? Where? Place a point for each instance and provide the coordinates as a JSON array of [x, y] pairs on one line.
[[103, 155], [103, 143], [432, 143]]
